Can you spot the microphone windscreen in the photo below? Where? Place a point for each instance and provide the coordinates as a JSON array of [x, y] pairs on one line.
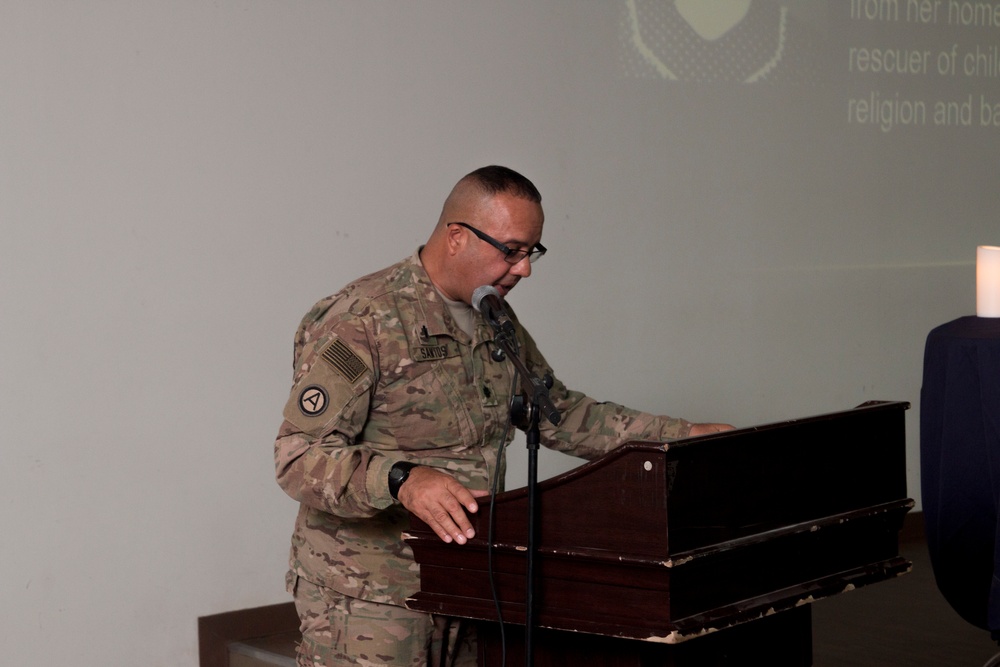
[[481, 293]]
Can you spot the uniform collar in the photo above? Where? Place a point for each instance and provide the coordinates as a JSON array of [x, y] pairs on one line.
[[435, 318]]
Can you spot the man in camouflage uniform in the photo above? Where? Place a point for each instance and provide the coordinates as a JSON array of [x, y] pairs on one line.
[[397, 406]]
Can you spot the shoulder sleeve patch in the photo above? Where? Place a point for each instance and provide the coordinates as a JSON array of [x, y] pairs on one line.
[[327, 388]]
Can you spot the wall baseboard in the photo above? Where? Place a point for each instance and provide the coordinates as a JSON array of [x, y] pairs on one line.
[[913, 528]]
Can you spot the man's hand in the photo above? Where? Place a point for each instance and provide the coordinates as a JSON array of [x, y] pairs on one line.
[[438, 500], [702, 429]]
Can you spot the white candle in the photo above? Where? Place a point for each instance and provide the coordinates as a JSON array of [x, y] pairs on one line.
[[988, 281]]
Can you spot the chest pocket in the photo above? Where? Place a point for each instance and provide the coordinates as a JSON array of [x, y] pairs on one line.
[[424, 398]]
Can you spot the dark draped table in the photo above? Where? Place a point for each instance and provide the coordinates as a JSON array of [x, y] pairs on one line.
[[960, 465]]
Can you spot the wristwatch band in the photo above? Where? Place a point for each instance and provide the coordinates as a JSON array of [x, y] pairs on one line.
[[398, 474]]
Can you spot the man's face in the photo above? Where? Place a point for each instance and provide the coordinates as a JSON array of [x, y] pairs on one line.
[[514, 222]]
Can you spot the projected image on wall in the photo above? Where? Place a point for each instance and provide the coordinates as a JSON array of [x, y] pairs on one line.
[[713, 41], [889, 65]]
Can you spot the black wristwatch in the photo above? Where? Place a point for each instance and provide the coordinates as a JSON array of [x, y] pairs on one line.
[[397, 475]]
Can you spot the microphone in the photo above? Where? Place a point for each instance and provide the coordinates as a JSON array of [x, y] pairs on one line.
[[486, 300]]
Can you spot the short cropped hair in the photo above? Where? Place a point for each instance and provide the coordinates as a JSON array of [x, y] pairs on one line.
[[495, 179]]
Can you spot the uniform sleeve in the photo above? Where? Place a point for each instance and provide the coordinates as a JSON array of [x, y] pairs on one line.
[[318, 460], [590, 428]]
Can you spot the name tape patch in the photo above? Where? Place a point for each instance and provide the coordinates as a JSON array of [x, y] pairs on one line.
[[430, 352]]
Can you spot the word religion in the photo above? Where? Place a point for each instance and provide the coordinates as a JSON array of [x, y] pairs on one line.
[[889, 112]]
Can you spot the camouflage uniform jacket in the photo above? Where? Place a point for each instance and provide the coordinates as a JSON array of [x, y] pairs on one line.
[[383, 374]]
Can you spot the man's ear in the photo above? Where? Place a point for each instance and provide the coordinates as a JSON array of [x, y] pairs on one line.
[[455, 238]]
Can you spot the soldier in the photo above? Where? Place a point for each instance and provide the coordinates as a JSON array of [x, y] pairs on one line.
[[397, 406]]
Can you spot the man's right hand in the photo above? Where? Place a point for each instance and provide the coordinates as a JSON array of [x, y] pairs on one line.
[[440, 501]]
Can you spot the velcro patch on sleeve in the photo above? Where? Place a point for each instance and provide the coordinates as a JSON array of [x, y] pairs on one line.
[[326, 388], [344, 360]]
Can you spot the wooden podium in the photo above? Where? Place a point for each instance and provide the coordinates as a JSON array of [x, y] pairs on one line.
[[720, 539]]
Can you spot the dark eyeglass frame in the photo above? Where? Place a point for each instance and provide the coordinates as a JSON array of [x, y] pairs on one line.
[[510, 255]]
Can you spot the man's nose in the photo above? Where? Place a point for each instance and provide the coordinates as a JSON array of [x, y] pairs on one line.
[[522, 268]]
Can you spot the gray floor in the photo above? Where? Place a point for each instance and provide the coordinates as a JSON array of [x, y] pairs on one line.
[[903, 622], [899, 623]]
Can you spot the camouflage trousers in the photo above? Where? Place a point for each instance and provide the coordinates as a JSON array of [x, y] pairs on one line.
[[340, 630]]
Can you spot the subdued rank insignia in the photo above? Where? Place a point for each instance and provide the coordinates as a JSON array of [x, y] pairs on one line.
[[344, 360], [313, 401]]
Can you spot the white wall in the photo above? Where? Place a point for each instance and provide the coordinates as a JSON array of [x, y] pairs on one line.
[[179, 181]]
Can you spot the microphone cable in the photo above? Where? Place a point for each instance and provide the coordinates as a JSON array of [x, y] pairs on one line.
[[492, 520]]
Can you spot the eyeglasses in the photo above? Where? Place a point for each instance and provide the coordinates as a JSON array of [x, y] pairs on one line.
[[510, 255]]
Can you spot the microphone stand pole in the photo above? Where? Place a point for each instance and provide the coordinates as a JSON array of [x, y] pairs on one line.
[[525, 415]]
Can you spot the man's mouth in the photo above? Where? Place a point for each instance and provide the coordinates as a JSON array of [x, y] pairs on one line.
[[504, 290]]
